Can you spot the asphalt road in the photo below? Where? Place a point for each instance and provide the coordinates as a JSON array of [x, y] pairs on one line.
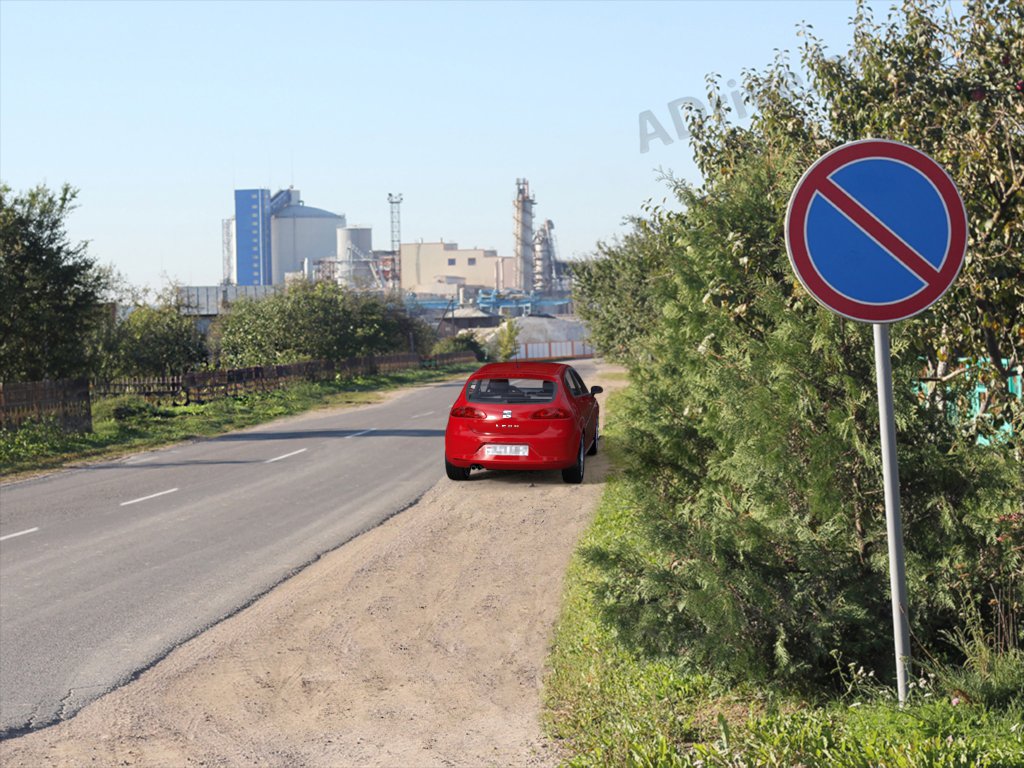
[[106, 568]]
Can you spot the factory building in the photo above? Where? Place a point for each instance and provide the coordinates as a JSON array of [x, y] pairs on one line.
[[301, 236], [273, 238], [250, 243], [442, 268]]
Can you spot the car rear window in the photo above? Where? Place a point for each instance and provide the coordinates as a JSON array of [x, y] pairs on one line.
[[522, 390]]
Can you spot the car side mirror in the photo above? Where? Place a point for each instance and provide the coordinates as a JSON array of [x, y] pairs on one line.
[[596, 390]]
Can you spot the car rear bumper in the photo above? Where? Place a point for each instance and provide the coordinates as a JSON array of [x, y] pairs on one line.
[[545, 453]]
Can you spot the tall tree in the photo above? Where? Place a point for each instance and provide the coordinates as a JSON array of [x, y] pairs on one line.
[[49, 288]]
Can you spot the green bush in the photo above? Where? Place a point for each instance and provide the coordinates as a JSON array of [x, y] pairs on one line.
[[158, 341], [752, 437], [463, 342], [321, 321], [505, 343], [614, 705], [34, 438]]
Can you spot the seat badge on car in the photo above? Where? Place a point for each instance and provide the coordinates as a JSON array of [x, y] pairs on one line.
[[506, 414]]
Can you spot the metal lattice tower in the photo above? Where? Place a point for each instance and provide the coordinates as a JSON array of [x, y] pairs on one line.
[[396, 239]]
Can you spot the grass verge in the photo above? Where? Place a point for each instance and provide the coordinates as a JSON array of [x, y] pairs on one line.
[[123, 425], [611, 705]]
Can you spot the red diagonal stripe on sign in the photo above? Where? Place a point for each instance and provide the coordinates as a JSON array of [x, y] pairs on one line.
[[878, 231]]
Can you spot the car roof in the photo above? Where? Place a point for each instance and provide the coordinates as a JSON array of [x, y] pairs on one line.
[[518, 370]]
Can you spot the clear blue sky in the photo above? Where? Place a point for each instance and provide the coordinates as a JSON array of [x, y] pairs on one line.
[[157, 111]]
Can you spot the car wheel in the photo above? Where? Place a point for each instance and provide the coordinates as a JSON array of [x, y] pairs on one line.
[[455, 473], [574, 474], [593, 448]]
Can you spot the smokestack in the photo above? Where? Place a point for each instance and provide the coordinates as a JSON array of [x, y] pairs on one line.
[[523, 275]]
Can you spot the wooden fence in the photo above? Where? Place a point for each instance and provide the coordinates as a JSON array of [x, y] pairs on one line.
[[66, 401], [69, 401], [201, 386]]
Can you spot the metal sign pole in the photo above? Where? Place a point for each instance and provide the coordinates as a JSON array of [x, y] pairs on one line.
[[893, 524], [853, 235]]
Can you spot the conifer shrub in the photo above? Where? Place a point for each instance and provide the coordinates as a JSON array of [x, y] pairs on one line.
[[753, 435]]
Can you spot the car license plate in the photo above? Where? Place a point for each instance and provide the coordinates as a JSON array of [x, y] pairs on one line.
[[498, 449]]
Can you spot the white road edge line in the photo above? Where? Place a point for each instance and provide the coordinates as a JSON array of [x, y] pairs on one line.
[[19, 533], [421, 415], [278, 458], [147, 498], [364, 432]]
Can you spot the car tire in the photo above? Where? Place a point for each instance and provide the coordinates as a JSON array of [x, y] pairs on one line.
[[574, 474], [593, 447], [454, 472]]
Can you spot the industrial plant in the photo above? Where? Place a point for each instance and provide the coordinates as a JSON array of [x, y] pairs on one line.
[[273, 239]]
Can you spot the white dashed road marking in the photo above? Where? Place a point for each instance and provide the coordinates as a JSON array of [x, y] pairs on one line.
[[278, 458], [19, 533], [147, 498]]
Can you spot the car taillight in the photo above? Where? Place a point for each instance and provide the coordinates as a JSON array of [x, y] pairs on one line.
[[551, 413], [466, 412]]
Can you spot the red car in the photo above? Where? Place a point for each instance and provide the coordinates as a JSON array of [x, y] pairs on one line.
[[522, 416]]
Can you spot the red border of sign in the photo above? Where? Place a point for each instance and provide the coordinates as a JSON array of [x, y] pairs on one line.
[[803, 264]]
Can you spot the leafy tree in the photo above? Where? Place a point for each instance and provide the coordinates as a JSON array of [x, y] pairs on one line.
[[157, 341], [752, 426], [314, 321], [247, 334], [104, 342], [464, 341], [406, 333], [616, 290], [506, 341], [49, 288], [953, 87]]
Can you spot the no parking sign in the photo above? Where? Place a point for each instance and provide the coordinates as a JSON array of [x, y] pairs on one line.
[[876, 231]]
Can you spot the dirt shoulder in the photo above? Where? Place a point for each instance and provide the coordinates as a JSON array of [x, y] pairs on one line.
[[420, 643]]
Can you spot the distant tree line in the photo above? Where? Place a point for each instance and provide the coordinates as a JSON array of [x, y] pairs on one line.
[[64, 316], [751, 427]]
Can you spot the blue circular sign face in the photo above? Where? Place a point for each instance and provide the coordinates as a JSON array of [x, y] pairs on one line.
[[876, 231]]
